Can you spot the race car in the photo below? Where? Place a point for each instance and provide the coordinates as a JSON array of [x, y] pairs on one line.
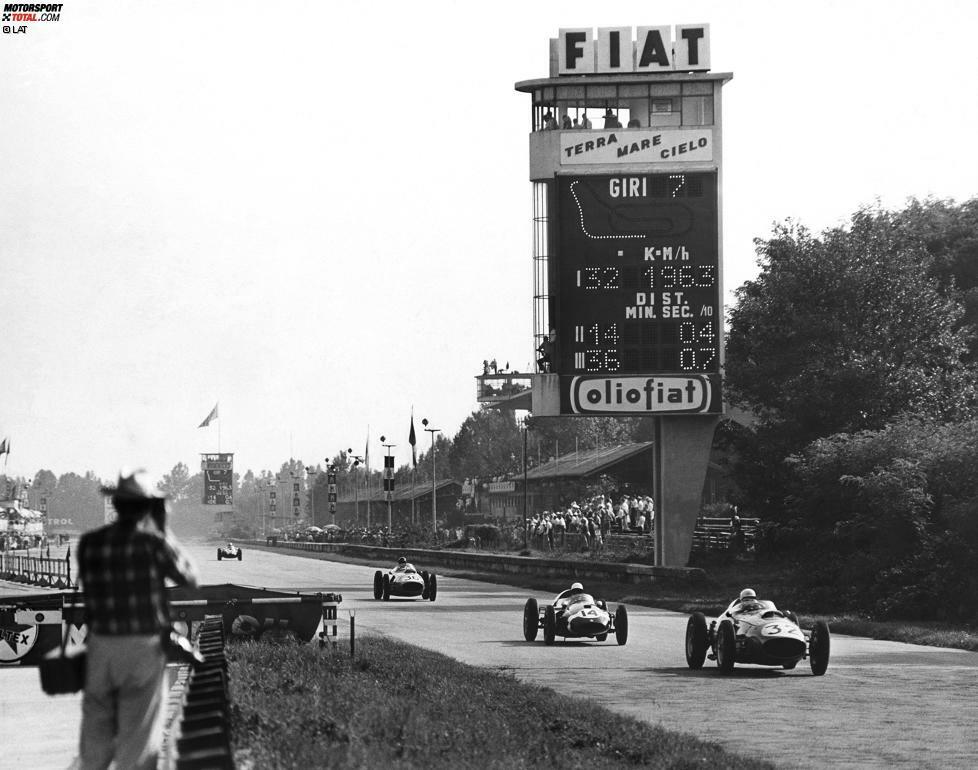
[[574, 614], [405, 581], [753, 630], [229, 551]]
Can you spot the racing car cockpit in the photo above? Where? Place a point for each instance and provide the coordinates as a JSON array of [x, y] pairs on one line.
[[573, 595]]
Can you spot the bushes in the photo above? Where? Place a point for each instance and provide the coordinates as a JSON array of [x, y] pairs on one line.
[[887, 521]]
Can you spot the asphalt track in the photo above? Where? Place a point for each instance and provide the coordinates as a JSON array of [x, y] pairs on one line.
[[880, 704]]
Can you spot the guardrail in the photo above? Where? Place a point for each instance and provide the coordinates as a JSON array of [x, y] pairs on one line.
[[36, 570], [496, 562]]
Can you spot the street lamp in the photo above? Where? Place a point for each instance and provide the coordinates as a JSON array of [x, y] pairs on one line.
[[434, 498], [387, 492], [357, 459]]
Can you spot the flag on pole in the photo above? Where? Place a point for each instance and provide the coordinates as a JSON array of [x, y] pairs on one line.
[[5, 446], [413, 440], [366, 453], [212, 416]]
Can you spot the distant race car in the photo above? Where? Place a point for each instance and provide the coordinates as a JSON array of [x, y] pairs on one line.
[[753, 630], [405, 581], [574, 614], [229, 551]]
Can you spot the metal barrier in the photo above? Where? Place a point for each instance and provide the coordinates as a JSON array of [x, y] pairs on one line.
[[36, 570]]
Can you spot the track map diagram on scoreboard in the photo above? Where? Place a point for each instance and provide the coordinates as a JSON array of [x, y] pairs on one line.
[[638, 280]]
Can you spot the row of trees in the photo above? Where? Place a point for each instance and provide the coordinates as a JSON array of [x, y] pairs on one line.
[[857, 352]]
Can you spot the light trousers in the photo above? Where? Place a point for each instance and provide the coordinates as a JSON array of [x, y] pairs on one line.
[[123, 702]]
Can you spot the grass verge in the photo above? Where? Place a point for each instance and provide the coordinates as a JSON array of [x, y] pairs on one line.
[[400, 706]]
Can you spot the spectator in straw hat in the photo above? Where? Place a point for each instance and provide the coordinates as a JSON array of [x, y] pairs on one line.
[[123, 567]]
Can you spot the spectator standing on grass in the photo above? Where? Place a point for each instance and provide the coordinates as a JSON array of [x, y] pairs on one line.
[[123, 568]]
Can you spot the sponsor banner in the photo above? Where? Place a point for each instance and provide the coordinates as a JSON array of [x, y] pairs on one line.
[[498, 487], [636, 145], [631, 395]]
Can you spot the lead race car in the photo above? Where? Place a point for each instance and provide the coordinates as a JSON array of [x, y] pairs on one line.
[[405, 581], [229, 551], [753, 630], [574, 614]]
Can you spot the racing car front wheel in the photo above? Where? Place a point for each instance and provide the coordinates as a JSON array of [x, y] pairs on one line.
[[378, 584], [818, 648], [549, 624], [239, 554], [726, 646], [219, 554], [697, 640], [621, 624], [531, 619], [432, 586], [424, 577], [387, 588]]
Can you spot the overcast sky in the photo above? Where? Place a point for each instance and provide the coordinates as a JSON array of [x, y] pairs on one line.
[[318, 214]]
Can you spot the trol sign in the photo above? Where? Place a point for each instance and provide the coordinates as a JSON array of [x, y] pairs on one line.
[[614, 51]]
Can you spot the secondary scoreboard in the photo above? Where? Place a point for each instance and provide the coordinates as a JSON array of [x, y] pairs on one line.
[[638, 310], [218, 472]]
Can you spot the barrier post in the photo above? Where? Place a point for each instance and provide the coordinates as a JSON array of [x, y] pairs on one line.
[[353, 633]]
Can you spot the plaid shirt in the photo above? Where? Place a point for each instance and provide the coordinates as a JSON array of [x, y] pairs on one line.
[[122, 571]]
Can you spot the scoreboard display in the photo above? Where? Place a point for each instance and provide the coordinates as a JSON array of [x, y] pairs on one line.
[[638, 288], [218, 472]]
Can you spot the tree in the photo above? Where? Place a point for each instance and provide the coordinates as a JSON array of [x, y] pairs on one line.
[[842, 333], [175, 484]]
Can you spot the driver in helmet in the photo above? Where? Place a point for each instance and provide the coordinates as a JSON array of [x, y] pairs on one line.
[[566, 597], [401, 564], [746, 602]]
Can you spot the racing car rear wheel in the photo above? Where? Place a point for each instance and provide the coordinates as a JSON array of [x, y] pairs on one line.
[[818, 648], [239, 554], [621, 624], [726, 646], [219, 554], [387, 588], [378, 584], [549, 624], [697, 640], [531, 619], [432, 586]]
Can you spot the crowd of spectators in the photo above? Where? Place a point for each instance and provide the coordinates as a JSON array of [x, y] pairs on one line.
[[592, 522]]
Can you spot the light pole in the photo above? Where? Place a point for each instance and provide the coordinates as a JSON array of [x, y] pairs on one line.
[[526, 534], [357, 459], [434, 498], [312, 473], [387, 491]]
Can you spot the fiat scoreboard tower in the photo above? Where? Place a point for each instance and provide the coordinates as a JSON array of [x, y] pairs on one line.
[[626, 167]]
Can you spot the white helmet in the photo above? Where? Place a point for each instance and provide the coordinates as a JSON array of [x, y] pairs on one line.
[[576, 587], [747, 593]]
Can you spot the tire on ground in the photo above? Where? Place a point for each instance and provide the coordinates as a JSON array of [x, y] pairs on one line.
[[819, 644], [531, 619], [549, 624], [621, 624], [432, 586], [378, 584], [697, 640], [726, 646]]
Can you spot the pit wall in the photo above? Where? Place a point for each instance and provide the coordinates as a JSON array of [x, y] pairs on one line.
[[613, 572]]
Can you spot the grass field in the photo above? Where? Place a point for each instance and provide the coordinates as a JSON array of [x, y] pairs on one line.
[[398, 706]]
